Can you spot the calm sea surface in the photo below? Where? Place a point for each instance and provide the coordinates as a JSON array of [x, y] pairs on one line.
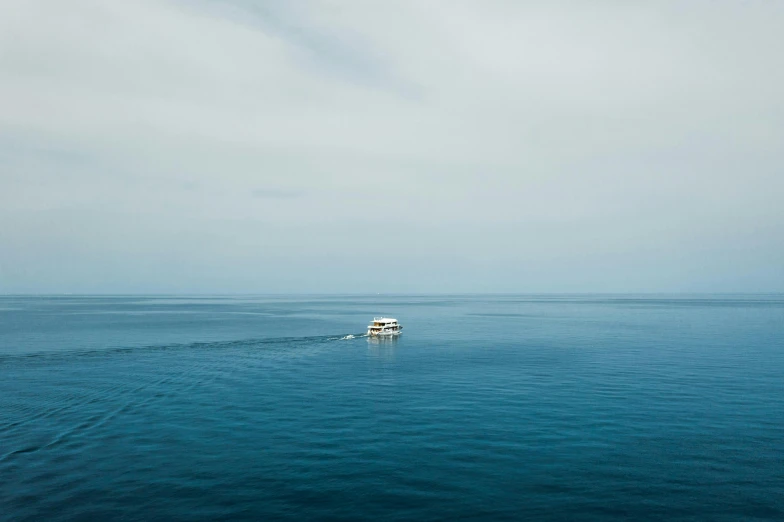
[[487, 407]]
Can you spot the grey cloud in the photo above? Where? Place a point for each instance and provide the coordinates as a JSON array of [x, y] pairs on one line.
[[342, 52]]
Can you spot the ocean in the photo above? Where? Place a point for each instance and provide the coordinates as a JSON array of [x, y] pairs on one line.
[[488, 407]]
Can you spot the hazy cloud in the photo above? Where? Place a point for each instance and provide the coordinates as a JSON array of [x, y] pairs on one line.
[[458, 145], [275, 193]]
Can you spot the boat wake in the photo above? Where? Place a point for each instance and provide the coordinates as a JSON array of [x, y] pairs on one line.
[[289, 342], [352, 336]]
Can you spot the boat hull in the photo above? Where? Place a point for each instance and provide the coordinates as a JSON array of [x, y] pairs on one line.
[[384, 334]]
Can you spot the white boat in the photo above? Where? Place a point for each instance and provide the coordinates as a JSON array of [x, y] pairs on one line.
[[384, 327]]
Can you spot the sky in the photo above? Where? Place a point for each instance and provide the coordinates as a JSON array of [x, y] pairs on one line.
[[367, 146]]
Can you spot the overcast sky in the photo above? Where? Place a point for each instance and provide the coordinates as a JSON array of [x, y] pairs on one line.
[[407, 146]]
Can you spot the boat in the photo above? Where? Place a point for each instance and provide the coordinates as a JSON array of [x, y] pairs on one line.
[[384, 327]]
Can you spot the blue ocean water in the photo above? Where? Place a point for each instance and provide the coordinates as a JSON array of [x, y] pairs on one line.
[[487, 407]]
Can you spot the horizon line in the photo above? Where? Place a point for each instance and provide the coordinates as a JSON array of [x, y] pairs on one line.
[[363, 294]]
